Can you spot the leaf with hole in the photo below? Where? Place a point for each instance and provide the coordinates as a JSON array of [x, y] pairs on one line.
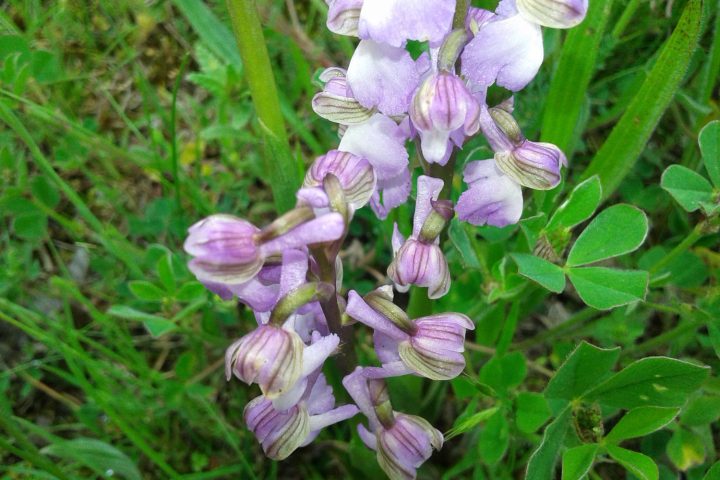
[[606, 288], [652, 381], [615, 231]]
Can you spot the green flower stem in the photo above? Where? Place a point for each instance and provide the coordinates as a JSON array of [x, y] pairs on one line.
[[688, 242], [279, 162]]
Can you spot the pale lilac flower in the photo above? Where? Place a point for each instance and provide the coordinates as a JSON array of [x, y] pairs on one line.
[[281, 432], [492, 197], [506, 50], [396, 21], [355, 174], [343, 16], [430, 346], [383, 77], [230, 251], [336, 102], [441, 105], [553, 13], [418, 260], [390, 193], [402, 442]]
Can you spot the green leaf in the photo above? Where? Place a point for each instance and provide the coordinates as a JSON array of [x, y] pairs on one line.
[[531, 411], [505, 372], [214, 33], [494, 439], [630, 135], [147, 291], [710, 147], [191, 291], [30, 226], [577, 461], [541, 271], [471, 422], [703, 410], [652, 381], [636, 463], [461, 241], [542, 462], [688, 188], [158, 326], [97, 455], [579, 206], [569, 87], [616, 231], [713, 473], [641, 421], [606, 288], [582, 369], [686, 449], [166, 273], [45, 191]]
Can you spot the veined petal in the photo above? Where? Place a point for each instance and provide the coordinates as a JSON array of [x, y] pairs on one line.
[[394, 192], [554, 13], [279, 432], [356, 175], [358, 309], [332, 417], [507, 51], [325, 228], [343, 16], [402, 448], [383, 77], [395, 21], [428, 190], [492, 198], [532, 164], [445, 366], [225, 273], [356, 385]]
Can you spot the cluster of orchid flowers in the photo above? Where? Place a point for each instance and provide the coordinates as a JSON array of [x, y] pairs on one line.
[[289, 272]]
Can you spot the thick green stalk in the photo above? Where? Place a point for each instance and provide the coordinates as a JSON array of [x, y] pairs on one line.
[[279, 162]]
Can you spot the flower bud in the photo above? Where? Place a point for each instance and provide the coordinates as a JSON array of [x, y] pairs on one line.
[[226, 250], [270, 356], [380, 399], [336, 102], [422, 264], [279, 432], [355, 174], [451, 48], [441, 213], [553, 13], [441, 105], [343, 16], [532, 164], [435, 349], [406, 445], [507, 124]]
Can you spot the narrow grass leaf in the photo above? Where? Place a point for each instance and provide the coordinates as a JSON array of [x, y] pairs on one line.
[[606, 288], [616, 231], [688, 188], [627, 140], [541, 271], [568, 90], [471, 422], [641, 421], [577, 461]]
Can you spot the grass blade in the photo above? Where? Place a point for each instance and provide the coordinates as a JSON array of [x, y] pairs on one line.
[[627, 140]]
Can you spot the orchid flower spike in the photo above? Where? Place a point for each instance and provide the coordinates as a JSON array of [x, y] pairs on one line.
[[419, 259]]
